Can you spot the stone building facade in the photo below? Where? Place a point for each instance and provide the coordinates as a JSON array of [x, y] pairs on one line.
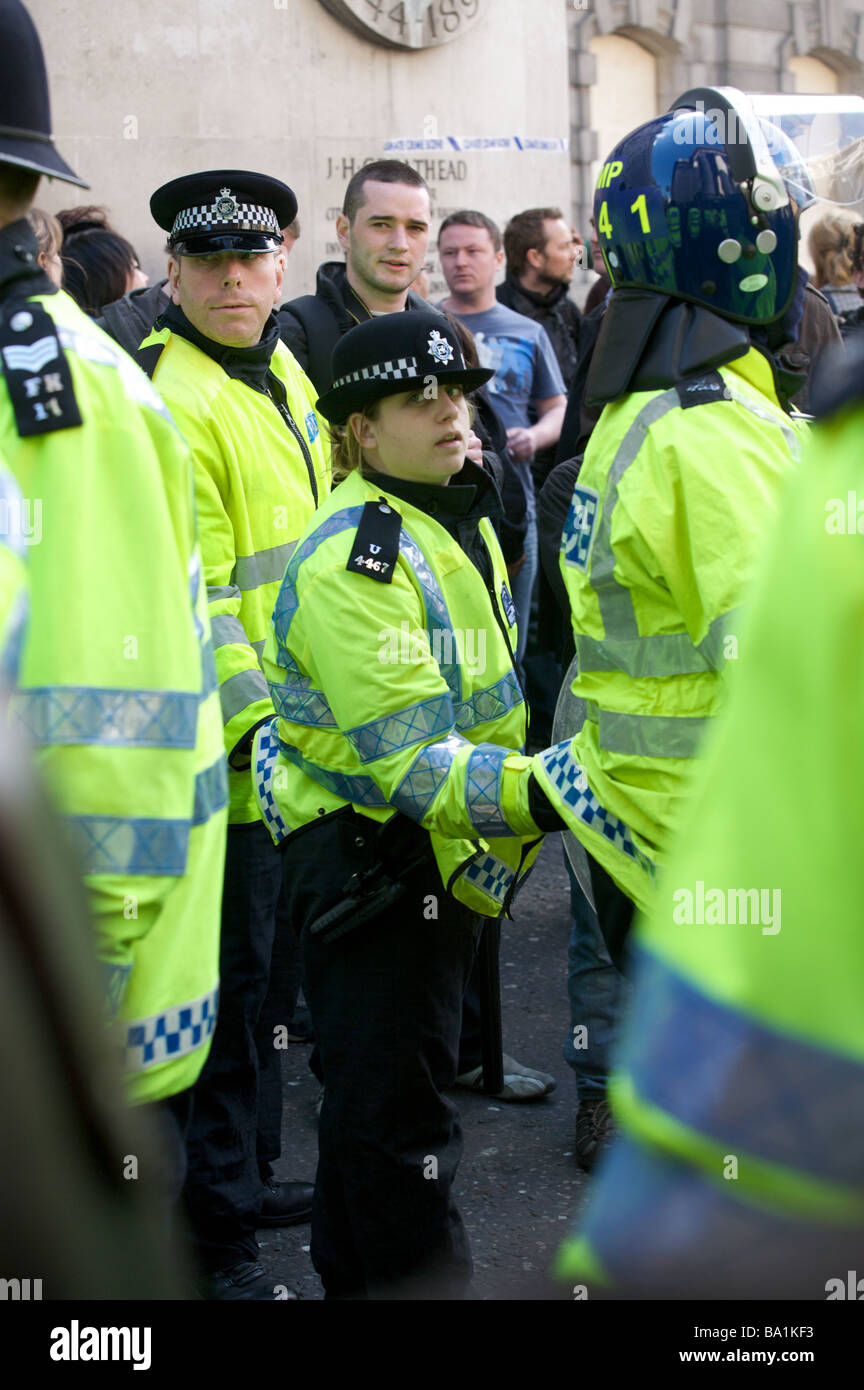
[[501, 104], [629, 59]]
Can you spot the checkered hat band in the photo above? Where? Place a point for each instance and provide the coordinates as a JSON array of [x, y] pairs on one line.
[[382, 371], [247, 217]]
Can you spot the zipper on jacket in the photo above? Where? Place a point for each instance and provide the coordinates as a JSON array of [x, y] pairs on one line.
[[282, 407], [500, 621]]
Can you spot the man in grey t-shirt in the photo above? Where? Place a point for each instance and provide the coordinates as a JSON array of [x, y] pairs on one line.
[[527, 381]]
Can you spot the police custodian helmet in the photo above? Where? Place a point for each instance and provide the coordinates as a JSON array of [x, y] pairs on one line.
[[392, 353], [223, 210], [25, 107]]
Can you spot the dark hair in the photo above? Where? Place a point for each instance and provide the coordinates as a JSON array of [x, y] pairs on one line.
[[97, 261], [858, 248], [17, 186], [525, 232], [466, 218], [379, 171]]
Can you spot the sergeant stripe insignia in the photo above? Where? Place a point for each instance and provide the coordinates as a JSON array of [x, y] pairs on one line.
[[43, 400]]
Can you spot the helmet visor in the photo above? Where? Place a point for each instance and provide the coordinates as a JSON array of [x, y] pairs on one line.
[[817, 142]]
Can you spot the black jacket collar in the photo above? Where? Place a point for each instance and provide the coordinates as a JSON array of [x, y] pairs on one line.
[[20, 272], [332, 285], [515, 291], [648, 342], [250, 365], [470, 495]]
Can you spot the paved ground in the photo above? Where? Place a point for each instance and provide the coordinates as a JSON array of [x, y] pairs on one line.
[[518, 1184]]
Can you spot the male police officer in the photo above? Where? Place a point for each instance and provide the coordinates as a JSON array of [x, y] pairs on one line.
[[678, 487], [261, 468], [115, 685]]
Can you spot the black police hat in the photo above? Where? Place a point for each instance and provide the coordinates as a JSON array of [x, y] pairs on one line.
[[392, 353], [223, 210], [25, 105]]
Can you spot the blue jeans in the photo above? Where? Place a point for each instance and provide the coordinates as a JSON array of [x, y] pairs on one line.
[[522, 587], [598, 995]]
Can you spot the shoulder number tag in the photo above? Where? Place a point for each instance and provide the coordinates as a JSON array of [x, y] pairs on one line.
[[702, 390], [376, 544], [37, 373]]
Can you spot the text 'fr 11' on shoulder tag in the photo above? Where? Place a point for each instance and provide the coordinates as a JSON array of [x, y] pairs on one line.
[[376, 544], [37, 374], [702, 390]]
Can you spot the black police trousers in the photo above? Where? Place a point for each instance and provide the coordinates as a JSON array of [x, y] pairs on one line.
[[385, 999], [234, 1131]]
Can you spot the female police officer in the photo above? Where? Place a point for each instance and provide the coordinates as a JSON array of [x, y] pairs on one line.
[[390, 778]]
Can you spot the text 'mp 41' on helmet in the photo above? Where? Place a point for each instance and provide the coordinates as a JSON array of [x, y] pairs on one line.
[[693, 205]]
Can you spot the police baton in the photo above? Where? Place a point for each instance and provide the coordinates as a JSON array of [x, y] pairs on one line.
[[489, 987]]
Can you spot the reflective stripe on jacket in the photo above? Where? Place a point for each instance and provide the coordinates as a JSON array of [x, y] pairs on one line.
[[667, 520], [118, 694], [740, 1093], [400, 696], [254, 496]]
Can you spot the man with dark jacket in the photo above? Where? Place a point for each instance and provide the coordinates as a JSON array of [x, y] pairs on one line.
[[384, 231], [541, 256]]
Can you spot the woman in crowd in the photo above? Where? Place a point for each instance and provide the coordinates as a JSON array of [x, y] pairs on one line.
[[99, 264], [831, 247]]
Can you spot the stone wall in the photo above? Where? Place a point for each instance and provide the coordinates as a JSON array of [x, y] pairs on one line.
[[147, 90]]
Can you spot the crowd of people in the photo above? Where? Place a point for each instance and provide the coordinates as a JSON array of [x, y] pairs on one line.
[[309, 578]]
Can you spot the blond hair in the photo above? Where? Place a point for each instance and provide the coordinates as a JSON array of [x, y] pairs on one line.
[[346, 451], [47, 231], [830, 247]]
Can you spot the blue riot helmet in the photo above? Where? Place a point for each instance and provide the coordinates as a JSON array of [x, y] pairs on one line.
[[693, 205]]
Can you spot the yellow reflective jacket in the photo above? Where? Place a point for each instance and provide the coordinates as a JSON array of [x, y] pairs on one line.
[[258, 480], [14, 605], [400, 696], [666, 523], [739, 1171], [118, 690]]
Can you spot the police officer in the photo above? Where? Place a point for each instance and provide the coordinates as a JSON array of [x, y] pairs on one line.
[[681, 477], [261, 468], [115, 685], [678, 488], [389, 778], [740, 1169]]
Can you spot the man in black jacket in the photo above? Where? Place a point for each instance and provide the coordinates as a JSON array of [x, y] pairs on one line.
[[384, 231], [541, 257]]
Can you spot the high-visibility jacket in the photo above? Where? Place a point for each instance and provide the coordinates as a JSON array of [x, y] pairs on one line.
[[118, 690], [14, 603], [740, 1091], [257, 483], [400, 696], [676, 494]]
